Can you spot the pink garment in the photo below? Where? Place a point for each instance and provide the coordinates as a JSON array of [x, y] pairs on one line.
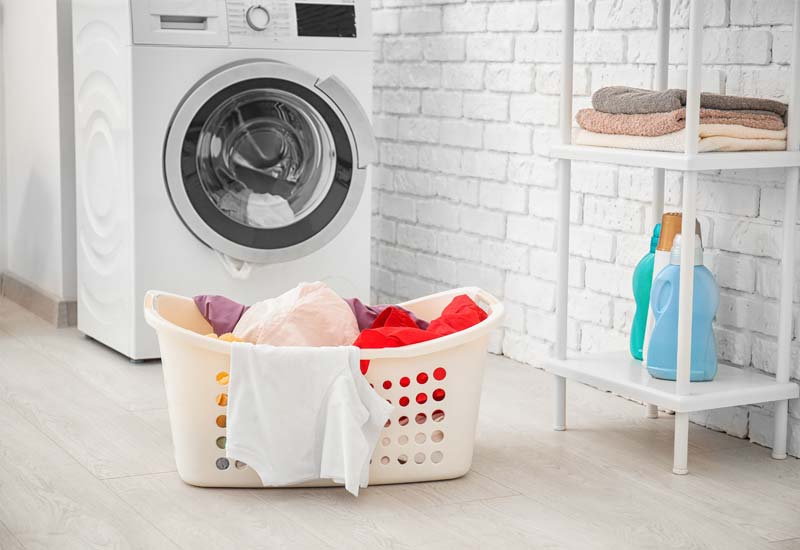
[[311, 314]]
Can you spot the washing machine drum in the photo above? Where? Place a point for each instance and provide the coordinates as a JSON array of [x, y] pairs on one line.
[[266, 163]]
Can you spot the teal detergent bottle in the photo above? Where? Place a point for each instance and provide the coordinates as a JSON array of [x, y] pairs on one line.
[[642, 282], [662, 352]]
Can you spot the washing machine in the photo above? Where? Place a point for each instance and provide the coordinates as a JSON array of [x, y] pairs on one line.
[[222, 148]]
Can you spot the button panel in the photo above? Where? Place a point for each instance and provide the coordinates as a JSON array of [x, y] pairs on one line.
[[260, 18]]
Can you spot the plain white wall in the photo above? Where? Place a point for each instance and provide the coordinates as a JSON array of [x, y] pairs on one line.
[[39, 152]]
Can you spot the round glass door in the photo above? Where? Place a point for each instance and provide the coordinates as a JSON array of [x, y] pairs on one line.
[[265, 158], [262, 168]]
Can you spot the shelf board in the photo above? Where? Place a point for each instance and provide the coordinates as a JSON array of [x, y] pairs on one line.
[[678, 161], [618, 372]]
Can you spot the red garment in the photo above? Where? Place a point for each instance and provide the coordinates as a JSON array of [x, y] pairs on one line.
[[394, 328]]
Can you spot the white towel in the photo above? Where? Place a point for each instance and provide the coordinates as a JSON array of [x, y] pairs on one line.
[[713, 138], [301, 413]]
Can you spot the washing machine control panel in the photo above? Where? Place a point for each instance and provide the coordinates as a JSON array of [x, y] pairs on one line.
[[258, 18], [338, 25], [270, 23]]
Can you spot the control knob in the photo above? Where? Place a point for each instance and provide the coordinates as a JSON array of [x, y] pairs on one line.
[[257, 17]]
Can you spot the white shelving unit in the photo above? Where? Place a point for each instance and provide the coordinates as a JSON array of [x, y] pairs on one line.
[[617, 371]]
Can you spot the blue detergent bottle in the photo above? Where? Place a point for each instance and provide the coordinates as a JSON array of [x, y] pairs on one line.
[[662, 352], [642, 283]]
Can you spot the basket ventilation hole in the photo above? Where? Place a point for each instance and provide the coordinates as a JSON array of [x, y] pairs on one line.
[[388, 423], [221, 441], [420, 438], [405, 381], [240, 465], [223, 463], [387, 384], [403, 420], [437, 436], [222, 399], [419, 458], [385, 441], [438, 394], [222, 378], [437, 415], [384, 460], [402, 459], [422, 398], [222, 421], [421, 418], [404, 401], [422, 378], [439, 373], [436, 457], [402, 440]]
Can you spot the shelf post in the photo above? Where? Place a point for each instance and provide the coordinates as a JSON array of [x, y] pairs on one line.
[[564, 175], [686, 293], [781, 411], [680, 459], [662, 79]]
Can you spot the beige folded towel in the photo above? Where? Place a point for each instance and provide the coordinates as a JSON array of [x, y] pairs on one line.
[[676, 141], [658, 124], [739, 132]]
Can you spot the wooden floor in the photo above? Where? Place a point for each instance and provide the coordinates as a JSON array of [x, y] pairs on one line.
[[86, 463]]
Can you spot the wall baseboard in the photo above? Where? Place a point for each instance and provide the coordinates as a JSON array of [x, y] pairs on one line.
[[61, 313]]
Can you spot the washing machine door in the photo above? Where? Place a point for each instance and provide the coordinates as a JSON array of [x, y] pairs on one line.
[[266, 163]]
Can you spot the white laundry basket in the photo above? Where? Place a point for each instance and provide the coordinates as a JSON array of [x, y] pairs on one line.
[[434, 385]]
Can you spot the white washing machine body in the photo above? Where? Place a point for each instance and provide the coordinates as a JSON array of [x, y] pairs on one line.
[[222, 148]]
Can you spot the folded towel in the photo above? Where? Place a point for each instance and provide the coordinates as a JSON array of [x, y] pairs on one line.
[[676, 141], [631, 101], [658, 124], [739, 132]]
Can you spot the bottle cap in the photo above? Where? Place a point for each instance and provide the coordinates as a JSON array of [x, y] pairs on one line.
[[654, 238], [675, 253], [671, 226]]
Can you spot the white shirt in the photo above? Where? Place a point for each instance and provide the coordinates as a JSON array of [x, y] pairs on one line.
[[301, 413]]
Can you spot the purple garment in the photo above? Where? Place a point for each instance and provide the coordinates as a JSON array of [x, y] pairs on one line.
[[221, 313], [366, 315]]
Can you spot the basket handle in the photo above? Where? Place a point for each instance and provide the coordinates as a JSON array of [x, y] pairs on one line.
[[150, 300], [486, 297], [151, 314]]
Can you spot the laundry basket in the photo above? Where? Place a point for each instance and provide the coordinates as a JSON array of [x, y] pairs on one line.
[[434, 385]]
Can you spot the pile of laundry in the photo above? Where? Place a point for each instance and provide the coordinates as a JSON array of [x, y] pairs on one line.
[[299, 406], [632, 118]]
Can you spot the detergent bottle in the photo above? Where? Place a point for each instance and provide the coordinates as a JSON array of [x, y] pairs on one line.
[[662, 352], [670, 226], [642, 282]]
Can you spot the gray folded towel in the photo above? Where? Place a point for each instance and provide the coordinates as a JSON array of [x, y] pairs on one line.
[[622, 100]]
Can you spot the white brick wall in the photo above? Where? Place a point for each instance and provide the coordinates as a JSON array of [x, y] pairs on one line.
[[466, 107]]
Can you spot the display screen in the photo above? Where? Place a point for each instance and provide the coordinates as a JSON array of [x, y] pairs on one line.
[[326, 20]]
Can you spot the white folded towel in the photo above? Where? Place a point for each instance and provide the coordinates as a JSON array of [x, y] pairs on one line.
[[713, 137], [297, 414]]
